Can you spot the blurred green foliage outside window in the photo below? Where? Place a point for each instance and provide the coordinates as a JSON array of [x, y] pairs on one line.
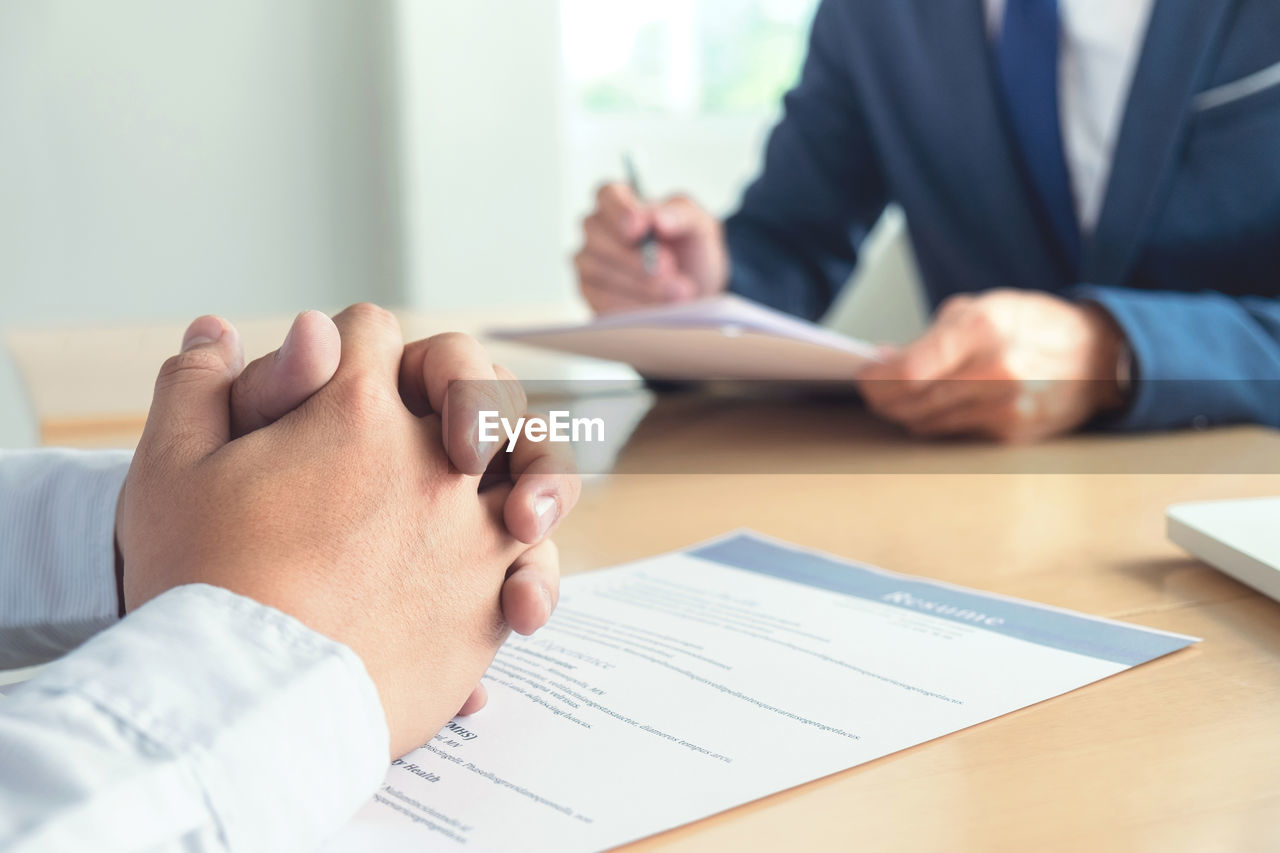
[[683, 57]]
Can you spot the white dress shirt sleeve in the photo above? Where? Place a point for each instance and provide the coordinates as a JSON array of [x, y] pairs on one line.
[[202, 721], [57, 553]]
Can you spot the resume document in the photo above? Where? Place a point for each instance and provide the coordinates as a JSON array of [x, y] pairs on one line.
[[682, 685]]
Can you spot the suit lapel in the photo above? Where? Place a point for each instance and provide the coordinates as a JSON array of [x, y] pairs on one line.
[[1176, 58]]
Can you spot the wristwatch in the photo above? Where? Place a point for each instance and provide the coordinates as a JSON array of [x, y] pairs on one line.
[[1125, 379], [1124, 372]]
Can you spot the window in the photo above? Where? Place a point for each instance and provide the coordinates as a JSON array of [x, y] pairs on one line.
[[683, 57]]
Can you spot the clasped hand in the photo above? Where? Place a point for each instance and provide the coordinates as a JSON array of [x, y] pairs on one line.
[[339, 481]]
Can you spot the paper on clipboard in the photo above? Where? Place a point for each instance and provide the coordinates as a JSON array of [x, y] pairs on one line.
[[726, 337]]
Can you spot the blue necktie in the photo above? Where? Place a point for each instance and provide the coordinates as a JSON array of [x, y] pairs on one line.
[[1027, 56]]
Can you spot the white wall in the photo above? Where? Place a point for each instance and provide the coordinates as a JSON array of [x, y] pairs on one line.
[[163, 158], [483, 156], [711, 159]]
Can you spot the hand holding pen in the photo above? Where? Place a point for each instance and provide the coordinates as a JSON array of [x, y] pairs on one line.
[[638, 253], [649, 242]]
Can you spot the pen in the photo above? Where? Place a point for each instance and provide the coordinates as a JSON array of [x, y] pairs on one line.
[[649, 242]]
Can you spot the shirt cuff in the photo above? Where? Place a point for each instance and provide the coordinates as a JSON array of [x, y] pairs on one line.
[[281, 726], [57, 547]]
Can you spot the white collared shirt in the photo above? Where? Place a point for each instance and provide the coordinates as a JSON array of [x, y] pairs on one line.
[[202, 721], [1100, 45]]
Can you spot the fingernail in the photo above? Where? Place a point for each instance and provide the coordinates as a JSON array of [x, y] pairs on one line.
[[546, 597], [204, 330], [484, 450], [547, 510]]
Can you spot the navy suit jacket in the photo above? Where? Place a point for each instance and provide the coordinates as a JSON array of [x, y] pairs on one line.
[[898, 101]]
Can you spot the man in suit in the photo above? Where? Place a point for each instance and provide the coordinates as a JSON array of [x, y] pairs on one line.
[[1092, 191]]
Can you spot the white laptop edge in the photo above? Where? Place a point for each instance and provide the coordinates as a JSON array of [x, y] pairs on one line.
[[1205, 529]]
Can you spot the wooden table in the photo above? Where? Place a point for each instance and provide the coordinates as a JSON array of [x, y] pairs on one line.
[[1181, 754], [91, 386]]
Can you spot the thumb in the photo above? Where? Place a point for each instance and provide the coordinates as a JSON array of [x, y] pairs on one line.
[[939, 352], [276, 384], [678, 217], [190, 410]]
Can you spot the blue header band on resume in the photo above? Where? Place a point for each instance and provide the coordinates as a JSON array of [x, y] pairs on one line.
[[1054, 629]]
